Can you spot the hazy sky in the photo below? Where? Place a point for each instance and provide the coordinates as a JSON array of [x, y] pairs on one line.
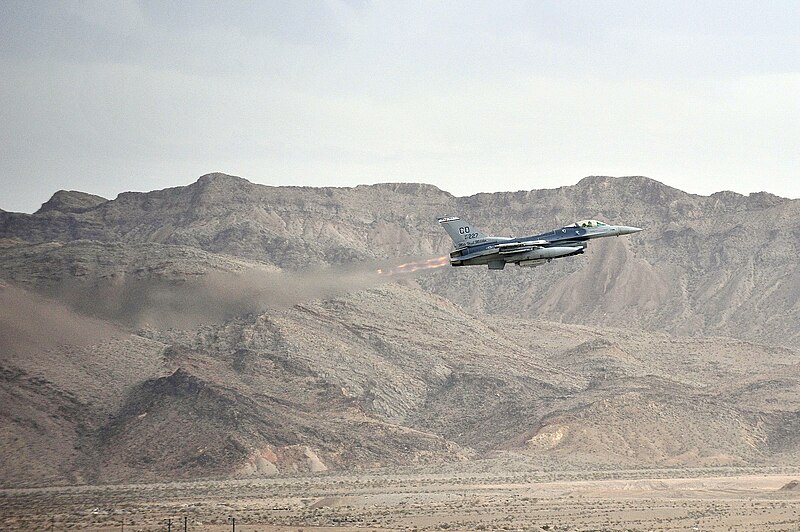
[[467, 95]]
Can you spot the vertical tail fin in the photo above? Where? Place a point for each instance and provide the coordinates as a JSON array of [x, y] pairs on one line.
[[462, 232]]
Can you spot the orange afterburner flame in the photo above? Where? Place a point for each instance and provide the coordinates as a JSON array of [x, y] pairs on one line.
[[411, 267]]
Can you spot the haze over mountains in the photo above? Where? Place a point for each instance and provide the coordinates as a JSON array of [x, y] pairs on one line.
[[239, 329]]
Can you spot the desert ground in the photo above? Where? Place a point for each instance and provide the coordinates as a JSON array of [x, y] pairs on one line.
[[721, 499]]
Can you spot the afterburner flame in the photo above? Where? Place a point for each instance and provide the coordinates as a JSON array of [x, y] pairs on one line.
[[411, 267]]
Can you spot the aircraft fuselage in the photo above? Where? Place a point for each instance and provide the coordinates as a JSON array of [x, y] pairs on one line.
[[475, 249]]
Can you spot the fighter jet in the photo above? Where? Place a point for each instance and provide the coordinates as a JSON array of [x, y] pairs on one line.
[[473, 247]]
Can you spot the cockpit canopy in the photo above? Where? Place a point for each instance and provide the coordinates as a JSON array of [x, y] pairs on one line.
[[588, 223]]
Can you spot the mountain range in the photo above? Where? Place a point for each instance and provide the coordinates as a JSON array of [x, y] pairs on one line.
[[228, 329]]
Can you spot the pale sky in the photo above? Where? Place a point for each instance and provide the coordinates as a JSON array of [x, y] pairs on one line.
[[470, 96]]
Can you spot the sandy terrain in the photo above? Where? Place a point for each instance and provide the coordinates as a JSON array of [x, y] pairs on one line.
[[609, 500]]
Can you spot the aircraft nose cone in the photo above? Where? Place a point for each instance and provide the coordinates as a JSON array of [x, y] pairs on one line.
[[627, 230]]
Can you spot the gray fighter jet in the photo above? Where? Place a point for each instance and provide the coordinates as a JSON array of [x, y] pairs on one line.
[[473, 247]]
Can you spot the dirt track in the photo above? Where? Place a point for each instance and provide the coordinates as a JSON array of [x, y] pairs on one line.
[[630, 500]]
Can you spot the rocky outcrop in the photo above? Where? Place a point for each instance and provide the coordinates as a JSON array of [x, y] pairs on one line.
[[71, 201]]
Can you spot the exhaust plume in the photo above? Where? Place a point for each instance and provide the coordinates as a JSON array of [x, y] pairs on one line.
[[415, 266], [213, 297], [29, 322]]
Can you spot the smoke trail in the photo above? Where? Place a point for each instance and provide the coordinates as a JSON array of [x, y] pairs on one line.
[[81, 313], [31, 323], [218, 296]]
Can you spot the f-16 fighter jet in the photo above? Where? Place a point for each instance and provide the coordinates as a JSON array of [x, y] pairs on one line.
[[473, 247]]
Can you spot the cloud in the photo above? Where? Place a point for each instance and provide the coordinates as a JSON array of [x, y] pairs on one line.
[[468, 96]]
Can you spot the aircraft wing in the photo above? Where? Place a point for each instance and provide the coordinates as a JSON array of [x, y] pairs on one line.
[[519, 247]]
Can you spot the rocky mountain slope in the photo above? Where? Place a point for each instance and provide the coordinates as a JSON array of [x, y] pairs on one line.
[[723, 264], [385, 377], [230, 329]]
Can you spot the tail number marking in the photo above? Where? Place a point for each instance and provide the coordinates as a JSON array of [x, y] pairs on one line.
[[467, 235]]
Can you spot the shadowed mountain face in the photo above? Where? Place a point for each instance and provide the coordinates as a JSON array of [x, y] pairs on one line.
[[232, 329]]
